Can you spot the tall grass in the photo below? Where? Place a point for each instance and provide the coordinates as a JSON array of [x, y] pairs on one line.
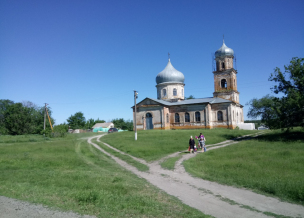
[[154, 144], [272, 164], [169, 163], [73, 175]]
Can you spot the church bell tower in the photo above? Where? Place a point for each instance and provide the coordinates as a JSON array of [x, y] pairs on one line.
[[225, 81]]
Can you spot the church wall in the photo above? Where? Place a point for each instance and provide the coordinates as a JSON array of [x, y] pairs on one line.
[[220, 111], [157, 117], [209, 116], [237, 115], [166, 114], [190, 109]]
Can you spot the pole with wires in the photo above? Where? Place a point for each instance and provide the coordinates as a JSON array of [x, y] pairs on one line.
[[135, 125], [45, 104]]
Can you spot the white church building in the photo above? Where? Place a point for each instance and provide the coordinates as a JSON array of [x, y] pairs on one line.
[[171, 111]]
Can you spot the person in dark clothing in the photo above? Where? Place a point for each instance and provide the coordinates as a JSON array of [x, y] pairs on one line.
[[191, 144]]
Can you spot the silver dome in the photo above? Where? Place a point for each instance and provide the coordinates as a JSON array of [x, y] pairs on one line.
[[170, 74], [224, 51]]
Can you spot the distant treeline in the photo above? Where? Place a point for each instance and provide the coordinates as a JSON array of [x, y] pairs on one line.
[[27, 118], [22, 118]]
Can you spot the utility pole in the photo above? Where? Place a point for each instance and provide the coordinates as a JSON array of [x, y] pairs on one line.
[[44, 117], [135, 126]]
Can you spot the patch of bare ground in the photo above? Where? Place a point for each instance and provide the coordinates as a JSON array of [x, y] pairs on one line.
[[11, 208]]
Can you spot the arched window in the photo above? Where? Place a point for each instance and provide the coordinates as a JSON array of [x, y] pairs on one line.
[[167, 116], [174, 92], [176, 118], [187, 117], [164, 92], [237, 117], [223, 83], [234, 82], [233, 117], [183, 92], [220, 116], [223, 65], [197, 116]]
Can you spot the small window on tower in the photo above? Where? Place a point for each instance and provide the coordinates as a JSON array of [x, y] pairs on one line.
[[164, 92], [223, 65], [174, 92], [223, 83]]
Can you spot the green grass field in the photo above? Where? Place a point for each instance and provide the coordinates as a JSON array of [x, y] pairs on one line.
[[170, 162], [70, 174], [272, 164], [155, 144], [126, 158]]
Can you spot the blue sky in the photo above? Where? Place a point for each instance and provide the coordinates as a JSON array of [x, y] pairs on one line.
[[89, 56]]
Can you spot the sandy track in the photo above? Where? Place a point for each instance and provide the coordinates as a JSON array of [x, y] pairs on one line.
[[208, 197], [12, 208]]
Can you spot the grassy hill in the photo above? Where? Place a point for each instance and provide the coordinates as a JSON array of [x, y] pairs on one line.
[[272, 164], [70, 174]]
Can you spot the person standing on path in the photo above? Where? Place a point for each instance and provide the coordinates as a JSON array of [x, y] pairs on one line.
[[191, 144], [202, 141]]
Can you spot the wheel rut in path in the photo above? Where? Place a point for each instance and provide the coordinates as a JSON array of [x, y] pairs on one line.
[[208, 197]]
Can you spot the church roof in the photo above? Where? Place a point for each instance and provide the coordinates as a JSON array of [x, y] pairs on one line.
[[209, 100], [224, 51], [169, 75]]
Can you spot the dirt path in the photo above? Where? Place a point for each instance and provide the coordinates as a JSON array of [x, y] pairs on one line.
[[209, 197], [12, 208]]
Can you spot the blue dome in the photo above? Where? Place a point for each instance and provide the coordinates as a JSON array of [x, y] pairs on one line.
[[170, 75], [224, 51]]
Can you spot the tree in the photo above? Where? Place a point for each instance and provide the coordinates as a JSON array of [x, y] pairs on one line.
[[291, 84], [286, 111], [190, 97], [76, 121], [122, 124], [90, 123], [22, 118], [37, 114], [266, 109], [60, 130], [18, 119], [3, 107], [99, 121]]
